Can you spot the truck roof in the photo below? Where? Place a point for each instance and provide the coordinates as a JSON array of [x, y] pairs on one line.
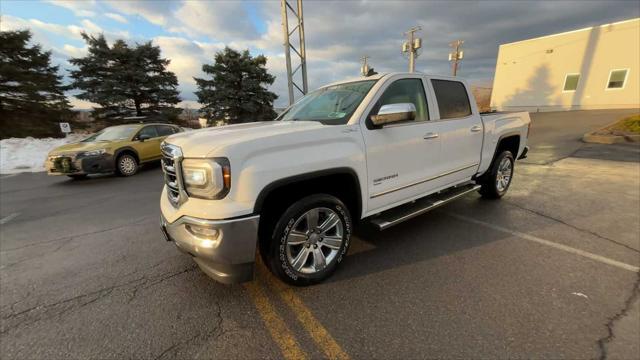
[[381, 75]]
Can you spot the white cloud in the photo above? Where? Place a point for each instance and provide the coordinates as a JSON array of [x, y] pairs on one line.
[[221, 20], [84, 8], [187, 57], [156, 12], [117, 17]]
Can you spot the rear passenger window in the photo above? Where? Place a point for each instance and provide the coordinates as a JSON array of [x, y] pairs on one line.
[[406, 91], [453, 101]]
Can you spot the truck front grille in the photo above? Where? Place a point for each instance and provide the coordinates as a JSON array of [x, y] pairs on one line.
[[171, 157]]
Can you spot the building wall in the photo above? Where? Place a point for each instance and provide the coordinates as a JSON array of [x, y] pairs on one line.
[[530, 74]]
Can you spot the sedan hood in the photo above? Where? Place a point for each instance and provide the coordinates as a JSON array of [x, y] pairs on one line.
[[209, 142], [78, 147]]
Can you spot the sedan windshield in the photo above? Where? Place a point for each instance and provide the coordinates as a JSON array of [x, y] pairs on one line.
[[113, 133], [332, 105]]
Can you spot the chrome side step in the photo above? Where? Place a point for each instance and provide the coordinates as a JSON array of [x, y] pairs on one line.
[[397, 215]]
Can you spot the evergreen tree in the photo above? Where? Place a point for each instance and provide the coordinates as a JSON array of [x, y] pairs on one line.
[[236, 91], [32, 99], [125, 80]]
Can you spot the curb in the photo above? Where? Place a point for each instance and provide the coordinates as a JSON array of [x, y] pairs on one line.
[[604, 139]]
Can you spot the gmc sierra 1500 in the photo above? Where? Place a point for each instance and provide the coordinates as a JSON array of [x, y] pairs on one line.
[[384, 148]]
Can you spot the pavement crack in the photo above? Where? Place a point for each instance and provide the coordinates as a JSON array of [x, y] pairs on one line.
[[573, 226], [602, 342], [216, 332]]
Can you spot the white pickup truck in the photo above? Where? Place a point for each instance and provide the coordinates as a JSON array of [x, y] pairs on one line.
[[383, 148]]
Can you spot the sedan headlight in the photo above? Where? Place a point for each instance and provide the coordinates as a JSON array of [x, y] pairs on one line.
[[92, 153], [206, 178]]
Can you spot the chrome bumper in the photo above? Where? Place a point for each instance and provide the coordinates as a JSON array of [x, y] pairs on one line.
[[224, 249]]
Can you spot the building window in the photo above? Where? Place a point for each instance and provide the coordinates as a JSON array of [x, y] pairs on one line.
[[571, 82], [617, 78]]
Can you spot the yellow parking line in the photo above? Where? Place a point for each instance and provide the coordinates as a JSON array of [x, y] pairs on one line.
[[277, 328], [319, 334]]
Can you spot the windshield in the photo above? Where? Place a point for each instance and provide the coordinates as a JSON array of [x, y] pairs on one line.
[[331, 105], [113, 133]]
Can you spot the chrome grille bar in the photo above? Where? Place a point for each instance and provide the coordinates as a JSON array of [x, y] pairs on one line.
[[171, 158]]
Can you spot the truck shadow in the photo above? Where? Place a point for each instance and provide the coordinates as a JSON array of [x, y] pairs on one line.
[[428, 236]]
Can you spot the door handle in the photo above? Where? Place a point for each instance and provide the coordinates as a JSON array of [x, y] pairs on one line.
[[430, 135], [476, 128]]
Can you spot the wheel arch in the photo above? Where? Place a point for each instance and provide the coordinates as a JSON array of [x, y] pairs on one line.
[[126, 150], [326, 180]]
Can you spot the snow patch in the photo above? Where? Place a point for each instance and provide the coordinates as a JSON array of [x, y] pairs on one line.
[[28, 154]]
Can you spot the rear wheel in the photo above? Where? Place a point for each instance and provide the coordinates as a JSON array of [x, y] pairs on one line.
[[498, 179], [126, 165], [310, 240]]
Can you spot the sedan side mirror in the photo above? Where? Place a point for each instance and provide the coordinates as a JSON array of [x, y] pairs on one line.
[[394, 113], [144, 137]]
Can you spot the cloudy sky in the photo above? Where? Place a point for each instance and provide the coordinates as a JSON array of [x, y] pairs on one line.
[[338, 33]]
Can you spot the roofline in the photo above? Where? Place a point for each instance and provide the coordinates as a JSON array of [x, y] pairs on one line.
[[571, 31], [389, 74]]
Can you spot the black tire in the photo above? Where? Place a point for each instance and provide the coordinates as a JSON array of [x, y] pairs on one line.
[[490, 188], [278, 254], [78, 177], [126, 165]]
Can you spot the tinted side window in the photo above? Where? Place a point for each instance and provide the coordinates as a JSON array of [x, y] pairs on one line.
[[148, 130], [453, 101], [406, 91], [165, 130]]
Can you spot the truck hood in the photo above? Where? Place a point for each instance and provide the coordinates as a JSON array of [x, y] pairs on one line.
[[207, 142]]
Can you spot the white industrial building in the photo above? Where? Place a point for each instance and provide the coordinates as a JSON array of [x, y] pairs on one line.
[[592, 68]]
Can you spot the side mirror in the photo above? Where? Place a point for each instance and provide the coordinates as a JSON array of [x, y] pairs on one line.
[[144, 137], [394, 113]]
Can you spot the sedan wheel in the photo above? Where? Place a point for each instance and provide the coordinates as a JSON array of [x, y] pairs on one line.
[[127, 165]]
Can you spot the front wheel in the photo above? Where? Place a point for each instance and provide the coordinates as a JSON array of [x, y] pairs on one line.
[[310, 240], [498, 178], [126, 165]]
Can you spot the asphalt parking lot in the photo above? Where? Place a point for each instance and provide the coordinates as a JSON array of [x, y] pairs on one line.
[[550, 271]]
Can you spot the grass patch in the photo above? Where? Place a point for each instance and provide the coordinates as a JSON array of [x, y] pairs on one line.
[[628, 125]]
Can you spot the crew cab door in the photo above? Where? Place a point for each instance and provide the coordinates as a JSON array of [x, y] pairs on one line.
[[401, 157], [461, 130]]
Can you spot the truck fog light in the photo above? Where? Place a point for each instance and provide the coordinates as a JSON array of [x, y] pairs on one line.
[[204, 233]]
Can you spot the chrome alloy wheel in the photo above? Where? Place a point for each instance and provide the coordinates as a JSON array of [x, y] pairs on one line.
[[314, 240], [127, 165], [505, 172]]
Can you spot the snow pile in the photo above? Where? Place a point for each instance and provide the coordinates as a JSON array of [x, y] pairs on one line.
[[28, 154]]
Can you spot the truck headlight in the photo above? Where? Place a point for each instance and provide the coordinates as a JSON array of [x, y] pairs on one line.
[[206, 178]]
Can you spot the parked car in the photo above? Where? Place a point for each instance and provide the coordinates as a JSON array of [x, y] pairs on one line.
[[119, 149], [382, 149]]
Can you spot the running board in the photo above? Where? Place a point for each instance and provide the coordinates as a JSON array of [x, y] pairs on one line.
[[397, 215]]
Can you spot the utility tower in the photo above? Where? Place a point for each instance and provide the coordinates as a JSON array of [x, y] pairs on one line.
[[286, 8], [456, 55], [411, 46]]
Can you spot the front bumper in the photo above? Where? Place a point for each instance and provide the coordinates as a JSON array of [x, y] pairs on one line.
[[72, 165], [227, 257], [524, 153]]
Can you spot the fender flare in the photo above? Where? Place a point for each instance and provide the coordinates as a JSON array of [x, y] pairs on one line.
[[308, 176]]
